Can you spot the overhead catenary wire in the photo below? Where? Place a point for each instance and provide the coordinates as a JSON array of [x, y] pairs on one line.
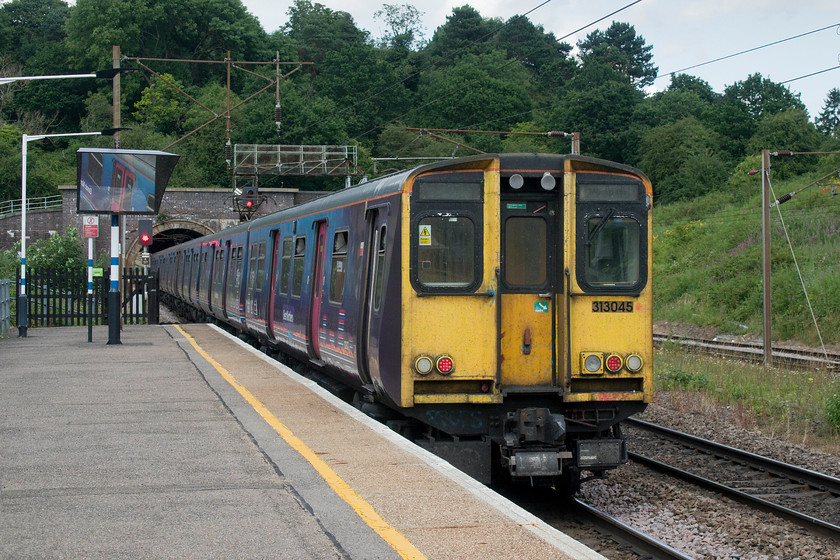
[[751, 50]]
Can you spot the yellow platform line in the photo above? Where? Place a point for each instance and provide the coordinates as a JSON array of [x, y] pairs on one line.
[[394, 538]]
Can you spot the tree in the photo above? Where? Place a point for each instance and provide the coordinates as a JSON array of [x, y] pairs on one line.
[[763, 97], [692, 84], [404, 23], [622, 50], [546, 58], [181, 29], [26, 26], [161, 106], [599, 102], [788, 130], [10, 155], [465, 32], [478, 89], [683, 160], [367, 91], [318, 31], [828, 121]]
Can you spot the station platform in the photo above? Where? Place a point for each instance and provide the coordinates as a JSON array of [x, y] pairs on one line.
[[182, 441]]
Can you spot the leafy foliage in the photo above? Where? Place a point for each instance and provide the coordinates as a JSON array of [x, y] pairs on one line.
[[622, 50], [473, 73], [828, 121], [59, 253]]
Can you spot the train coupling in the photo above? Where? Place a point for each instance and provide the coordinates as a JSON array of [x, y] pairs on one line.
[[533, 440]]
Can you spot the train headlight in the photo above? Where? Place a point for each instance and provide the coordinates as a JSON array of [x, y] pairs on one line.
[[614, 363], [634, 362], [548, 182], [516, 181], [423, 365], [592, 362], [444, 364]]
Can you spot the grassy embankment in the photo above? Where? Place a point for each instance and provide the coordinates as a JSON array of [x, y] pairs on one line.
[[707, 273]]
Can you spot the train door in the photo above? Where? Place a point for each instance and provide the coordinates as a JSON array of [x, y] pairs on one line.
[[372, 303], [223, 279], [318, 290], [272, 281], [526, 291]]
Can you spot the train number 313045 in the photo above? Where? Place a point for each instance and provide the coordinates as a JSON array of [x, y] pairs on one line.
[[612, 307]]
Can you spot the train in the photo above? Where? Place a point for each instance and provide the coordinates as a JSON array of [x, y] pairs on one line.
[[496, 308]]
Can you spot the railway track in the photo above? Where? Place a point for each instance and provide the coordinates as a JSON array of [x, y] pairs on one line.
[[641, 544], [799, 495], [754, 351]]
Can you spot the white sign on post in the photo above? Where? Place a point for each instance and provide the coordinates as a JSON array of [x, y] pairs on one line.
[[90, 226]]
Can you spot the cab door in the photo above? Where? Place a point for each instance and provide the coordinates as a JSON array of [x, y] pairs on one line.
[[527, 290]]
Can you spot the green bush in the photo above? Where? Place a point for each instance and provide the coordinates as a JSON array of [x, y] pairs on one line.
[[676, 378]]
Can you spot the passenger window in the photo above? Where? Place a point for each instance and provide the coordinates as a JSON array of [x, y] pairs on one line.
[[380, 269], [237, 277], [285, 265], [297, 273], [339, 267], [446, 252], [612, 251], [252, 267], [525, 251], [261, 266]]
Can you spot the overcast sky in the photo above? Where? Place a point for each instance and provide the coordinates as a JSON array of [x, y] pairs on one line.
[[682, 32]]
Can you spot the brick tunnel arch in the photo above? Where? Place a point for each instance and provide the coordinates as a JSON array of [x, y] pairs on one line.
[[164, 235]]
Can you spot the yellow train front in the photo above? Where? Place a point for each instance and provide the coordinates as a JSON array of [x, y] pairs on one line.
[[526, 312]]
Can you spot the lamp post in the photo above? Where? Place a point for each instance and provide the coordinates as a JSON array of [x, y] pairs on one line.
[[100, 74], [22, 298]]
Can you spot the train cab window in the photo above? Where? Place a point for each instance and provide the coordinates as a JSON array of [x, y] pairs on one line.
[[612, 251], [297, 266], [447, 232], [525, 250], [285, 265], [612, 222], [338, 270], [380, 268], [446, 252]]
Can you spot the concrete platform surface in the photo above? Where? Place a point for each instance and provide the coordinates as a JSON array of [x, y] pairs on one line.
[[184, 442]]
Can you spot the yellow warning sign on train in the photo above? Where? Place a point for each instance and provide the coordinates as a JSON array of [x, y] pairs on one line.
[[425, 235]]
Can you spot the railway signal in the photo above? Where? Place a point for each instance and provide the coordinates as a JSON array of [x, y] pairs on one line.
[[144, 232], [247, 202]]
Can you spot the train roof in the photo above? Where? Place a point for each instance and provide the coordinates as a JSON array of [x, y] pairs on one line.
[[395, 182]]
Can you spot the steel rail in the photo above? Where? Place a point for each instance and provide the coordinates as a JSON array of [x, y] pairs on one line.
[[639, 541], [754, 351], [778, 469]]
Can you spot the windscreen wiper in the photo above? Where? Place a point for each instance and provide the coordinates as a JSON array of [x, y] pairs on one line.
[[600, 226]]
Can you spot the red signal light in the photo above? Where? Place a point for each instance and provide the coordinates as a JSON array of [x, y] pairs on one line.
[[144, 230], [444, 364], [249, 203], [614, 363]]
